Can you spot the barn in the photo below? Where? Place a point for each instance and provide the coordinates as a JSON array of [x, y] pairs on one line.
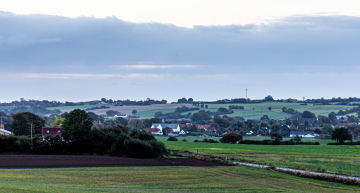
[[51, 131]]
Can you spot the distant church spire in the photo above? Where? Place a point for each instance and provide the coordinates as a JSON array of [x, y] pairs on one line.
[[163, 120]]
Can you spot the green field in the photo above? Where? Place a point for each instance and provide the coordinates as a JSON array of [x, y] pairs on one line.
[[276, 106], [337, 159], [161, 179], [193, 138], [68, 108]]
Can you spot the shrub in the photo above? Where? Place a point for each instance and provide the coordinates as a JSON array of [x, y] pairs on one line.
[[213, 141], [137, 149], [172, 138], [142, 135], [184, 139], [231, 138]]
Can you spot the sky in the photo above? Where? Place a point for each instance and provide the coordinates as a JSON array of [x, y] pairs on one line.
[[206, 50]]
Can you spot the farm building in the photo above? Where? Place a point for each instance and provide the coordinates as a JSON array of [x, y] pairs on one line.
[[162, 125], [303, 134], [3, 131], [154, 131], [51, 131]]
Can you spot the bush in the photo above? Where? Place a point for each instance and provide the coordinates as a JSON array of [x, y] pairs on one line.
[[142, 135], [136, 148], [231, 138], [213, 141], [171, 138], [184, 139]]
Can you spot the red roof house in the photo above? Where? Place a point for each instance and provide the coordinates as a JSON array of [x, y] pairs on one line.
[[51, 131]]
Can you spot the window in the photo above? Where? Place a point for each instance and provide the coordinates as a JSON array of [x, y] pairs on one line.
[[47, 131]]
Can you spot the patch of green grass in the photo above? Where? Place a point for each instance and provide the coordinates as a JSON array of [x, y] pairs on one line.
[[68, 108], [151, 113], [329, 157], [161, 179], [276, 106]]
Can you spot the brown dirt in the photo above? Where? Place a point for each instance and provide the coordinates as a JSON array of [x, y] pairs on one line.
[[67, 161]]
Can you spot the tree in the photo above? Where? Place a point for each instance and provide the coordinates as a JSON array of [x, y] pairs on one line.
[[148, 122], [231, 138], [58, 122], [193, 128], [341, 134], [308, 114], [134, 112], [269, 98], [22, 122], [222, 122], [111, 113], [73, 119], [93, 116], [121, 121], [269, 108], [200, 116], [103, 100], [136, 124], [326, 128], [277, 138]]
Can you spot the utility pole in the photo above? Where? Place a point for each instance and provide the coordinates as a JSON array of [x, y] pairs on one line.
[[246, 92], [31, 132]]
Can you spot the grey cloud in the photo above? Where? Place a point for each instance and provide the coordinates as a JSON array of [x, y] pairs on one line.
[[266, 58], [40, 40]]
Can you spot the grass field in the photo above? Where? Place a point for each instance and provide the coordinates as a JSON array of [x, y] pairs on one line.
[[276, 106], [161, 179], [337, 159], [193, 138], [68, 108]]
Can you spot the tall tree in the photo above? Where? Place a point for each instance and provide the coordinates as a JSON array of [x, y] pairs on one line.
[[58, 122], [136, 124], [341, 134], [73, 119], [22, 122]]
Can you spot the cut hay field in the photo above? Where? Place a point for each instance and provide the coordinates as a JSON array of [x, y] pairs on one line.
[[161, 179], [336, 159], [276, 106]]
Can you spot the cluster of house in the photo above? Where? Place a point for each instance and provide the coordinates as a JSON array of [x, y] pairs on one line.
[[175, 129]]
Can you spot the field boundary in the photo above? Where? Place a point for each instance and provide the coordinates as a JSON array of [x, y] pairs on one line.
[[301, 173]]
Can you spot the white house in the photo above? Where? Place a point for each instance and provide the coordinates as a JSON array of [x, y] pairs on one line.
[[154, 131], [308, 134], [162, 125]]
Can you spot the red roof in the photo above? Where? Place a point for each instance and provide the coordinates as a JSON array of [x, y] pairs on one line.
[[51, 131], [203, 126]]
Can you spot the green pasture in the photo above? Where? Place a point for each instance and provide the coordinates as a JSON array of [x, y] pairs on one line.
[[276, 106], [68, 108], [161, 179], [151, 113], [337, 159], [193, 138]]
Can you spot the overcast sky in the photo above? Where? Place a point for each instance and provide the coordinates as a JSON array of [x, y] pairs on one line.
[[208, 51]]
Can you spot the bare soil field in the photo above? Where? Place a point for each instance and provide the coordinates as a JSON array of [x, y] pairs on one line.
[[129, 109], [69, 161]]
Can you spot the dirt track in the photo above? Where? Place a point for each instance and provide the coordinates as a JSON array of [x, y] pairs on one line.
[[67, 161]]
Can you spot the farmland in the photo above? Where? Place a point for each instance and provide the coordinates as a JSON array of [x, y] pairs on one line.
[[125, 109], [161, 179], [336, 159], [276, 106], [252, 110]]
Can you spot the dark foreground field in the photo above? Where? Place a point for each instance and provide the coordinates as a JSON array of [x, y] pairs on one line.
[[67, 161]]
